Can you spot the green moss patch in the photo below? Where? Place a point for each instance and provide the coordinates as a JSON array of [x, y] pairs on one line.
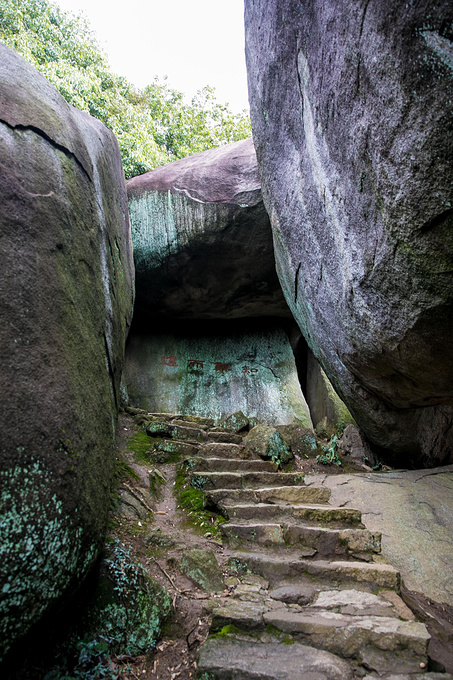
[[193, 503]]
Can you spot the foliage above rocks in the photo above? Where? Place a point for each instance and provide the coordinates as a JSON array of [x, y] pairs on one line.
[[153, 126]]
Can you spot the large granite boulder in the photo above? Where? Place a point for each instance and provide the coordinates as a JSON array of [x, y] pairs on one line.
[[66, 296], [351, 106], [202, 239]]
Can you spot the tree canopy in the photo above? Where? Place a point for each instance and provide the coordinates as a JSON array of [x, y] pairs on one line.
[[153, 126]]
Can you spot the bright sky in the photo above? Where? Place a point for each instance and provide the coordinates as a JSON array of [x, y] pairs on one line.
[[194, 42]]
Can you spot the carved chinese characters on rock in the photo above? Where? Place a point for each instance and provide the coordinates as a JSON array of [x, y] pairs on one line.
[[199, 365], [195, 363], [222, 368], [169, 361]]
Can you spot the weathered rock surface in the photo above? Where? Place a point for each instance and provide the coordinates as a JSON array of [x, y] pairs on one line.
[[267, 442], [354, 444], [351, 107], [66, 294], [321, 397], [215, 370], [202, 239], [202, 568], [245, 660], [414, 511]]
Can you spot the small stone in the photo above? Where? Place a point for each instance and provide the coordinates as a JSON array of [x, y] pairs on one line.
[[235, 423], [202, 568]]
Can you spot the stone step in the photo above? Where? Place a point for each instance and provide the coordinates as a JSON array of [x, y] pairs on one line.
[[229, 658], [223, 450], [183, 449], [310, 513], [193, 421], [360, 603], [231, 465], [342, 634], [224, 438], [326, 542], [275, 568], [187, 433], [278, 494], [347, 635], [237, 480]]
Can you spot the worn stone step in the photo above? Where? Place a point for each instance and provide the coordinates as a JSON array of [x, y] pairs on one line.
[[343, 634], [224, 437], [187, 433], [275, 568], [229, 658], [164, 416], [194, 421], [173, 446], [326, 542], [309, 513], [278, 494], [347, 635], [353, 601], [222, 450], [360, 603], [231, 465], [237, 480]]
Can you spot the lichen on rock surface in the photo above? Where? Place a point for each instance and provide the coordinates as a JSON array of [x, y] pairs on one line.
[[129, 607], [202, 238], [214, 370], [351, 107], [267, 442], [66, 295]]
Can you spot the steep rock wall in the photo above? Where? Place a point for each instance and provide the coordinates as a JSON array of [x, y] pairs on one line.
[[215, 369], [66, 297], [351, 106]]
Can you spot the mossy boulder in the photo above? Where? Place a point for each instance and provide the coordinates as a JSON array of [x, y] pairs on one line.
[[214, 369], [302, 440], [267, 442], [202, 568], [202, 239], [66, 296]]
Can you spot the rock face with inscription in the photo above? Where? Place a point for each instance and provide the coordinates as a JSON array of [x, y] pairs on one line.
[[66, 296], [351, 107], [215, 370], [202, 239], [204, 253]]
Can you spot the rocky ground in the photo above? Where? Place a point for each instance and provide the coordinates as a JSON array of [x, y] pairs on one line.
[[268, 578], [293, 570]]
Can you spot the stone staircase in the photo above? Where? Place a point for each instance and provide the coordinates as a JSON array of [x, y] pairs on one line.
[[313, 599]]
